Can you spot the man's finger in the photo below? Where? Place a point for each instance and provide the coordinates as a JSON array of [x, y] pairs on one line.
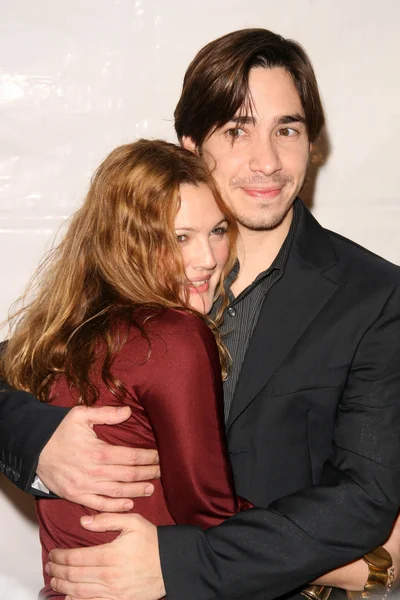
[[81, 590], [105, 415], [125, 474], [103, 504], [76, 598], [122, 455], [74, 574], [95, 556], [123, 490], [145, 456], [110, 522]]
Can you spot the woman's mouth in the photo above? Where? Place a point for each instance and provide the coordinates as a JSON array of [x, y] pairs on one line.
[[200, 286]]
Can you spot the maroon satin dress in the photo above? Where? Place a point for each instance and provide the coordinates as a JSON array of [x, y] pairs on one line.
[[176, 401]]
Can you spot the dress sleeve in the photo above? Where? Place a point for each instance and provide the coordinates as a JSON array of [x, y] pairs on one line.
[[183, 401]]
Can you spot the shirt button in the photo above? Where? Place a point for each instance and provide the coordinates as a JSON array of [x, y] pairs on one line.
[[231, 311]]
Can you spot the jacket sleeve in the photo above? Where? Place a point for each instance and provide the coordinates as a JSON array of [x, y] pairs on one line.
[[26, 425], [183, 401], [267, 552]]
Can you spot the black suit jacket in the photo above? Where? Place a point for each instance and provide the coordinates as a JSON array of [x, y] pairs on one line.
[[26, 426], [313, 432]]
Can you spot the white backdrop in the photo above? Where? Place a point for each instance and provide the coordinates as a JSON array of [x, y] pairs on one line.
[[79, 77]]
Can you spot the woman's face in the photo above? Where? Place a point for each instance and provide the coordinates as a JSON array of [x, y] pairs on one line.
[[201, 230]]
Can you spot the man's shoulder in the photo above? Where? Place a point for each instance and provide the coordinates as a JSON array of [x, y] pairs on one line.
[[361, 262]]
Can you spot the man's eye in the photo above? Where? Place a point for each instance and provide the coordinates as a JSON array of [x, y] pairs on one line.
[[287, 131], [234, 133]]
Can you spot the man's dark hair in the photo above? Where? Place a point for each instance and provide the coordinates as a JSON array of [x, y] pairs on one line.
[[216, 86]]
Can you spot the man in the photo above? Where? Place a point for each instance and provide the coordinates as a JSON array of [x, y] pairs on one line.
[[313, 327]]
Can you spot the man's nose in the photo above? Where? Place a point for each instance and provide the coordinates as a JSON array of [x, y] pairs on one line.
[[265, 157]]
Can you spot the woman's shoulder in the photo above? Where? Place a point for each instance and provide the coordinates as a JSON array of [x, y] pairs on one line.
[[167, 336], [176, 324]]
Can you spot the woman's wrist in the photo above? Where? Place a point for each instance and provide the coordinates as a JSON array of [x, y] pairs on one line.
[[393, 548], [351, 577]]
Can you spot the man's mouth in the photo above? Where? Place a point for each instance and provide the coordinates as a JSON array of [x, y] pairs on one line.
[[262, 192]]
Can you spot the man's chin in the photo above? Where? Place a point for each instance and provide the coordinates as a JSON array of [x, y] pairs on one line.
[[263, 222]]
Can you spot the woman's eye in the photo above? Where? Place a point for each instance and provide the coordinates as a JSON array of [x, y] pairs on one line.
[[219, 231], [287, 132], [181, 238]]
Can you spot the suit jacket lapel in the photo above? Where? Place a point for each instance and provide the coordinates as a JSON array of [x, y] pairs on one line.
[[288, 309]]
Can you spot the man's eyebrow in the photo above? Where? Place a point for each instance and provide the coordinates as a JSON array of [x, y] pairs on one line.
[[243, 120], [282, 120], [286, 119]]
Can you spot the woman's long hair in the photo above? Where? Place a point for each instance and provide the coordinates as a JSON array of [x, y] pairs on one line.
[[120, 253]]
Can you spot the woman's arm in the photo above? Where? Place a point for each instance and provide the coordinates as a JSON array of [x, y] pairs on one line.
[[183, 401], [349, 577], [36, 438]]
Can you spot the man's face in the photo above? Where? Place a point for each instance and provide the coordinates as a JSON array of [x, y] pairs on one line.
[[259, 160]]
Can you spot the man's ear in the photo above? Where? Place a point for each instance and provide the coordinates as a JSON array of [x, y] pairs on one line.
[[189, 144]]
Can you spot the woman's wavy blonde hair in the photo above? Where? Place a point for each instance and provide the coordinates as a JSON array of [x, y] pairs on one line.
[[120, 253]]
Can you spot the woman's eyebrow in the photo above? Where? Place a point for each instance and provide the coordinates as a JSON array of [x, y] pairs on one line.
[[184, 228]]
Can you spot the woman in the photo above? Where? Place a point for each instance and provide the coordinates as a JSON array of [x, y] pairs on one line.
[[120, 318]]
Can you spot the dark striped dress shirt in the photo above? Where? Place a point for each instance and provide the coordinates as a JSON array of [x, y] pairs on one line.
[[241, 315]]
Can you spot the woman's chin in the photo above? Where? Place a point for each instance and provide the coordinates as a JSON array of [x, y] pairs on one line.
[[200, 303]]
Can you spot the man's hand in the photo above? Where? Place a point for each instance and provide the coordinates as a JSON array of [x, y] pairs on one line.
[[79, 467], [126, 569]]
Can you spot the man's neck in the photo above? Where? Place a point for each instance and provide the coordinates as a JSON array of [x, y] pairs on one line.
[[257, 251]]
